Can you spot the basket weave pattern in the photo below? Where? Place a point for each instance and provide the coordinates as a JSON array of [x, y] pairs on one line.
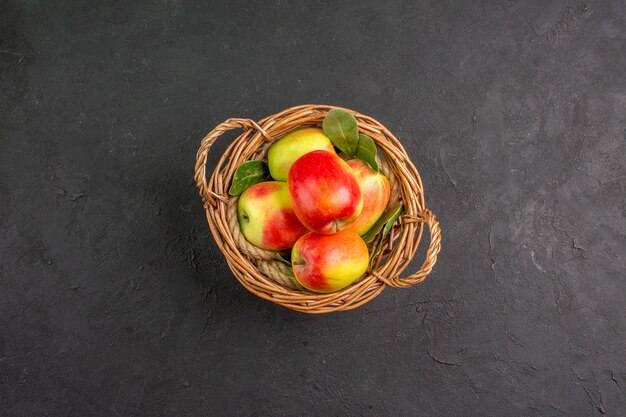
[[258, 271]]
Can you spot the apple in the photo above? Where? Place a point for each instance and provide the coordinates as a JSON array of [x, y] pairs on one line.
[[284, 152], [327, 263], [324, 192], [376, 191], [266, 216]]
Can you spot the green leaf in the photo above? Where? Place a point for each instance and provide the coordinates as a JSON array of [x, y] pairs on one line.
[[279, 258], [377, 249], [386, 228], [366, 151], [384, 223], [248, 174], [340, 127], [391, 221]]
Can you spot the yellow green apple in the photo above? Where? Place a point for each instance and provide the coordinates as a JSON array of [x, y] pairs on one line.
[[376, 191], [324, 192], [266, 216], [327, 263], [284, 152]]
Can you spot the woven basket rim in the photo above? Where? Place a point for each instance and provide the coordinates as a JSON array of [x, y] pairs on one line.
[[403, 240]]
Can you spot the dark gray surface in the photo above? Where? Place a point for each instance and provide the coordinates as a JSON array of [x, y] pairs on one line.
[[115, 301]]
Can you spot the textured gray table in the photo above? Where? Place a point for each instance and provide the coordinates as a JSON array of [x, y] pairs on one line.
[[114, 300]]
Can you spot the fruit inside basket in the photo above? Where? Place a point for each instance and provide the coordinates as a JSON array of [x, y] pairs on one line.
[[316, 208]]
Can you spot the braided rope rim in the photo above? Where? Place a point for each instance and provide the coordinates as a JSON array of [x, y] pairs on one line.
[[398, 248]]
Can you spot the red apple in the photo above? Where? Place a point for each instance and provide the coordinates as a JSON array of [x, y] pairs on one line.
[[324, 191], [376, 191], [266, 216], [327, 263]]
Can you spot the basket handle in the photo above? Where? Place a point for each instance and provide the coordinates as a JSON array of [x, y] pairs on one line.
[[429, 218], [208, 196]]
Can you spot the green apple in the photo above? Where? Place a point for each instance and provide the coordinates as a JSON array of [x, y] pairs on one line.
[[266, 216], [284, 152]]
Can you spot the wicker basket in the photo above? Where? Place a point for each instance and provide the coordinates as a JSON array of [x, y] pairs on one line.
[[258, 270]]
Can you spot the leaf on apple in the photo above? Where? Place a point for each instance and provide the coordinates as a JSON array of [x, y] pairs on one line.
[[366, 151], [341, 128], [248, 174], [385, 223]]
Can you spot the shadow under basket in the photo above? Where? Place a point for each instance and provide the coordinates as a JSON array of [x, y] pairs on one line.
[[259, 271]]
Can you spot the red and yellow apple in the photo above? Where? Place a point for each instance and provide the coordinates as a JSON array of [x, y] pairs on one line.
[[327, 263], [284, 152], [376, 191], [324, 192], [266, 216]]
